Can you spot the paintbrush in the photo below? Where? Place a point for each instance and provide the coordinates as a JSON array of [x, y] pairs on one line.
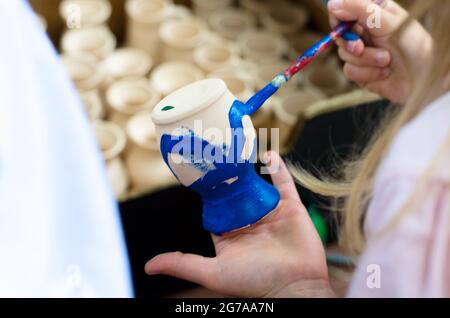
[[303, 60]]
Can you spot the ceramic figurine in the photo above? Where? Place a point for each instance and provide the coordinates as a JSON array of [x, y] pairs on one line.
[[207, 139]]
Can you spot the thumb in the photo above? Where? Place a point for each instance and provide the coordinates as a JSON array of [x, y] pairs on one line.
[[190, 267], [281, 178], [379, 20]]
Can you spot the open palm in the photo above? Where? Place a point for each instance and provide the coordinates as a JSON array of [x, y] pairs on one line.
[[281, 255]]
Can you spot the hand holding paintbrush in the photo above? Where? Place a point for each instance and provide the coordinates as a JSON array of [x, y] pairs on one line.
[[343, 28]]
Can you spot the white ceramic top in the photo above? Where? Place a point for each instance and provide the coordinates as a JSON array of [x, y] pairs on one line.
[[188, 101]]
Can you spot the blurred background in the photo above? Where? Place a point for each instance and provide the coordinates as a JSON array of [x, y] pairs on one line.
[[124, 56]]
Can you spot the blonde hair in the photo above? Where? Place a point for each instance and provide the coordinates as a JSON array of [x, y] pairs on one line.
[[354, 192]]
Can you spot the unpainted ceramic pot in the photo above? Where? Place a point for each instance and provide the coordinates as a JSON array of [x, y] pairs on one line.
[[84, 71], [286, 19], [204, 8], [326, 77], [289, 108], [180, 37], [245, 69], [98, 41], [93, 105], [126, 62], [263, 46], [170, 76], [213, 57], [112, 141], [144, 20], [236, 84], [219, 165], [259, 8], [85, 13], [128, 97], [148, 172], [230, 23]]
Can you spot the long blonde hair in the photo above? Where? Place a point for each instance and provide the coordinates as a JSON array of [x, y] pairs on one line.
[[355, 190]]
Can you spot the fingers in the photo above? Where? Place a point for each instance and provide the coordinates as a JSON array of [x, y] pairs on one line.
[[354, 47], [282, 179], [190, 267], [377, 19], [365, 74], [369, 57]]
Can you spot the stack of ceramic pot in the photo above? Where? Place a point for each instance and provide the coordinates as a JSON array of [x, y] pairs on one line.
[[245, 43], [88, 76], [112, 142], [86, 27], [147, 169], [145, 17]]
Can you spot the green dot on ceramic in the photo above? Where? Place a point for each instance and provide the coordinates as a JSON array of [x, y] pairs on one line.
[[166, 108]]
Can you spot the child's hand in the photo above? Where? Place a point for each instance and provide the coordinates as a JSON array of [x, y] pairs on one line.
[[380, 63], [280, 256]]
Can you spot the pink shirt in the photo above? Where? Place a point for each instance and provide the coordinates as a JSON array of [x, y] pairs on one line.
[[412, 260]]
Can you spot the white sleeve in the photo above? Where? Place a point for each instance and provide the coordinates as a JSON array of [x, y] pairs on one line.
[[412, 260], [60, 231]]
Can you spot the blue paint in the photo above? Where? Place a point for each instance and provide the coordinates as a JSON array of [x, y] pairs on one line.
[[350, 37], [227, 207], [257, 100]]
